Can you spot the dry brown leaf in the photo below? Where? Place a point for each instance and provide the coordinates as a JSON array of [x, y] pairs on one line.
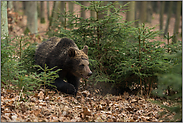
[[86, 111], [41, 95]]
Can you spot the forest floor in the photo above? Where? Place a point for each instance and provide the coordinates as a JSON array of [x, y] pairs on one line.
[[87, 106]]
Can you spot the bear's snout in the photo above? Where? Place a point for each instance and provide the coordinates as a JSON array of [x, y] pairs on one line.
[[90, 73]]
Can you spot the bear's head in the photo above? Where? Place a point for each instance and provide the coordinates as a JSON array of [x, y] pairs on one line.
[[80, 63]]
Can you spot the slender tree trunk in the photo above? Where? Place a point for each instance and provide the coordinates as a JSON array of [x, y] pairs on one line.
[[130, 15], [52, 14], [63, 10], [93, 13], [24, 7], [101, 14], [48, 10], [10, 5], [143, 12], [83, 10], [161, 14], [15, 5], [149, 11], [177, 21], [4, 19], [168, 17], [31, 8], [39, 9], [71, 6], [42, 14]]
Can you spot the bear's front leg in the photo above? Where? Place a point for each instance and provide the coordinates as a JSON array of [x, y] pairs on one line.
[[74, 81], [64, 87]]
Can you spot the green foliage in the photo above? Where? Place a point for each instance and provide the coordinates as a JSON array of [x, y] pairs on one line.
[[170, 86], [118, 52], [27, 58], [47, 76], [17, 66], [8, 60]]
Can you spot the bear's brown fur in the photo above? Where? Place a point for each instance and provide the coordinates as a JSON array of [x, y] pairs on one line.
[[64, 54]]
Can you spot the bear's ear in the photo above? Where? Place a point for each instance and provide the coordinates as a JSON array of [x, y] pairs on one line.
[[85, 49], [71, 52]]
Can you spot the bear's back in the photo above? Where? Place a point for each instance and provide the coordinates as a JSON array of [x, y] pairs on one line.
[[53, 49]]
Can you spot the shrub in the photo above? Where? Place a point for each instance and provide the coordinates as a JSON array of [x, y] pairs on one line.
[[170, 87], [118, 52]]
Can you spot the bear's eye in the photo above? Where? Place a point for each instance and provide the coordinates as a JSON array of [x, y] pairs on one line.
[[82, 65]]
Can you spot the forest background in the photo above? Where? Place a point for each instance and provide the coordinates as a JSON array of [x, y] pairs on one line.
[[135, 48]]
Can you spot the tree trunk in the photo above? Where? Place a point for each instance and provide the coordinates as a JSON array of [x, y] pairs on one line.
[[130, 15], [48, 11], [93, 13], [4, 19], [177, 22], [31, 9], [149, 11], [38, 9], [42, 14], [63, 12], [52, 14], [143, 12], [10, 5], [24, 7], [15, 5], [83, 10], [71, 6], [100, 13], [168, 16], [161, 15]]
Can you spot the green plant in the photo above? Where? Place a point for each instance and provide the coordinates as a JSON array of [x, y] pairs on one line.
[[118, 52], [46, 77], [170, 87], [8, 60], [27, 59]]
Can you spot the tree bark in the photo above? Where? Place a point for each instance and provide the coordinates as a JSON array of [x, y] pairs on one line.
[[10, 5], [168, 17], [71, 6], [42, 14], [130, 15], [149, 11], [31, 9], [4, 19], [161, 15], [177, 22], [48, 10], [83, 10], [63, 12], [15, 5], [143, 12]]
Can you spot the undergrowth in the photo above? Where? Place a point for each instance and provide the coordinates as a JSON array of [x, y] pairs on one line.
[[118, 53]]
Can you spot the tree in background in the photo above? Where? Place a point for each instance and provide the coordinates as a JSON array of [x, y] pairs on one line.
[[10, 5], [143, 12], [168, 17], [54, 10], [161, 15], [177, 21], [130, 15], [48, 10], [42, 14], [4, 19], [31, 12], [149, 11], [83, 12], [63, 10]]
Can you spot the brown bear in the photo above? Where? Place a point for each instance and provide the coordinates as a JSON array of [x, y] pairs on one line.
[[65, 55]]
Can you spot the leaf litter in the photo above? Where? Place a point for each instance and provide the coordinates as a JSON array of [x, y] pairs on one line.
[[85, 107]]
